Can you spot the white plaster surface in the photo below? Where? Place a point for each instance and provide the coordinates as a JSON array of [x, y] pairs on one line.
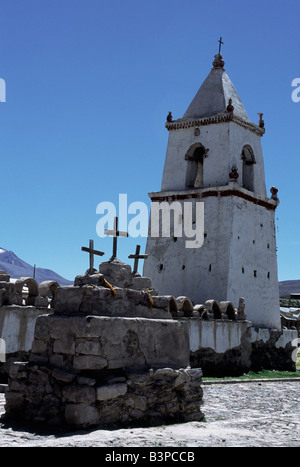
[[225, 142], [217, 335], [240, 239], [263, 334], [17, 325]]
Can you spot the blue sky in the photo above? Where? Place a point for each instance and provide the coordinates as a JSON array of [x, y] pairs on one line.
[[89, 85]]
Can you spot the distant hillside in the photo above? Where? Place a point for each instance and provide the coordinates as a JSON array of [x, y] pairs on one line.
[[16, 268], [288, 287]]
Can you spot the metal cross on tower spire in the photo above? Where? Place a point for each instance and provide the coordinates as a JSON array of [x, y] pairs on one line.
[[220, 44]]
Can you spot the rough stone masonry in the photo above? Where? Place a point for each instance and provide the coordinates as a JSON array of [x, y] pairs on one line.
[[110, 353]]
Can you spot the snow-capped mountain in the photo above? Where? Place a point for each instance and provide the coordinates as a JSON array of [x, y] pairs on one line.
[[16, 268]]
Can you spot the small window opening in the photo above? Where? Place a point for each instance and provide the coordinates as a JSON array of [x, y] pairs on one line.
[[194, 174], [248, 167]]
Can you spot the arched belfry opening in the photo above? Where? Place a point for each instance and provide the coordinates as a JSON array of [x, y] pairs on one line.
[[248, 159], [194, 172]]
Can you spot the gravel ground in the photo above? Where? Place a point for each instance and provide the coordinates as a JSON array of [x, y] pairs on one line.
[[240, 415]]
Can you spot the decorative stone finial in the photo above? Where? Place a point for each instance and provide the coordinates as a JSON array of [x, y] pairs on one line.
[[261, 123], [169, 117], [230, 107], [234, 174], [274, 192], [218, 61]]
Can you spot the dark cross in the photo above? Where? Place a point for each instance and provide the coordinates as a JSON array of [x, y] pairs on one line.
[[136, 257], [115, 233], [92, 252], [220, 41]]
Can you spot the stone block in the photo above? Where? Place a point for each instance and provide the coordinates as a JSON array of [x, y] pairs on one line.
[[61, 361], [89, 362], [42, 302], [7, 290], [16, 368], [88, 346], [68, 299], [79, 393], [4, 277], [141, 283], [65, 345], [85, 380], [15, 402], [116, 273], [15, 299], [82, 415], [64, 376], [39, 346], [137, 402], [89, 279], [111, 391]]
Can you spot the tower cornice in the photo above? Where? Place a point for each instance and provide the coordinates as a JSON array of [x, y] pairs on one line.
[[233, 189], [222, 117]]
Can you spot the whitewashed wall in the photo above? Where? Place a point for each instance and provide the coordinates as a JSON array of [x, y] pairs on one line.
[[17, 325]]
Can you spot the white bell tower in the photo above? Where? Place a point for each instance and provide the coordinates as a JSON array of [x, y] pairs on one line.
[[214, 156]]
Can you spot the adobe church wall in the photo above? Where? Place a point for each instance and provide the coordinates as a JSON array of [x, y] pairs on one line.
[[17, 326], [231, 348], [237, 258], [220, 348], [17, 332], [273, 349]]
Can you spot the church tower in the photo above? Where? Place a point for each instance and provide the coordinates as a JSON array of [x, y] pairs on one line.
[[214, 157]]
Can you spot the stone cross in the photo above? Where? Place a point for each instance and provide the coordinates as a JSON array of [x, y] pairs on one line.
[[92, 252], [136, 257], [115, 233], [220, 42]]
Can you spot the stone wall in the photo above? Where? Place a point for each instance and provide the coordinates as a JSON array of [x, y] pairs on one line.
[[273, 349], [219, 347], [83, 399]]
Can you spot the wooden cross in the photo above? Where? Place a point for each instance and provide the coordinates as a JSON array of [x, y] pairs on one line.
[[115, 233], [136, 257], [220, 41], [92, 252]]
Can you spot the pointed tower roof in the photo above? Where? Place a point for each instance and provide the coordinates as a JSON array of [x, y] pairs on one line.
[[213, 96]]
